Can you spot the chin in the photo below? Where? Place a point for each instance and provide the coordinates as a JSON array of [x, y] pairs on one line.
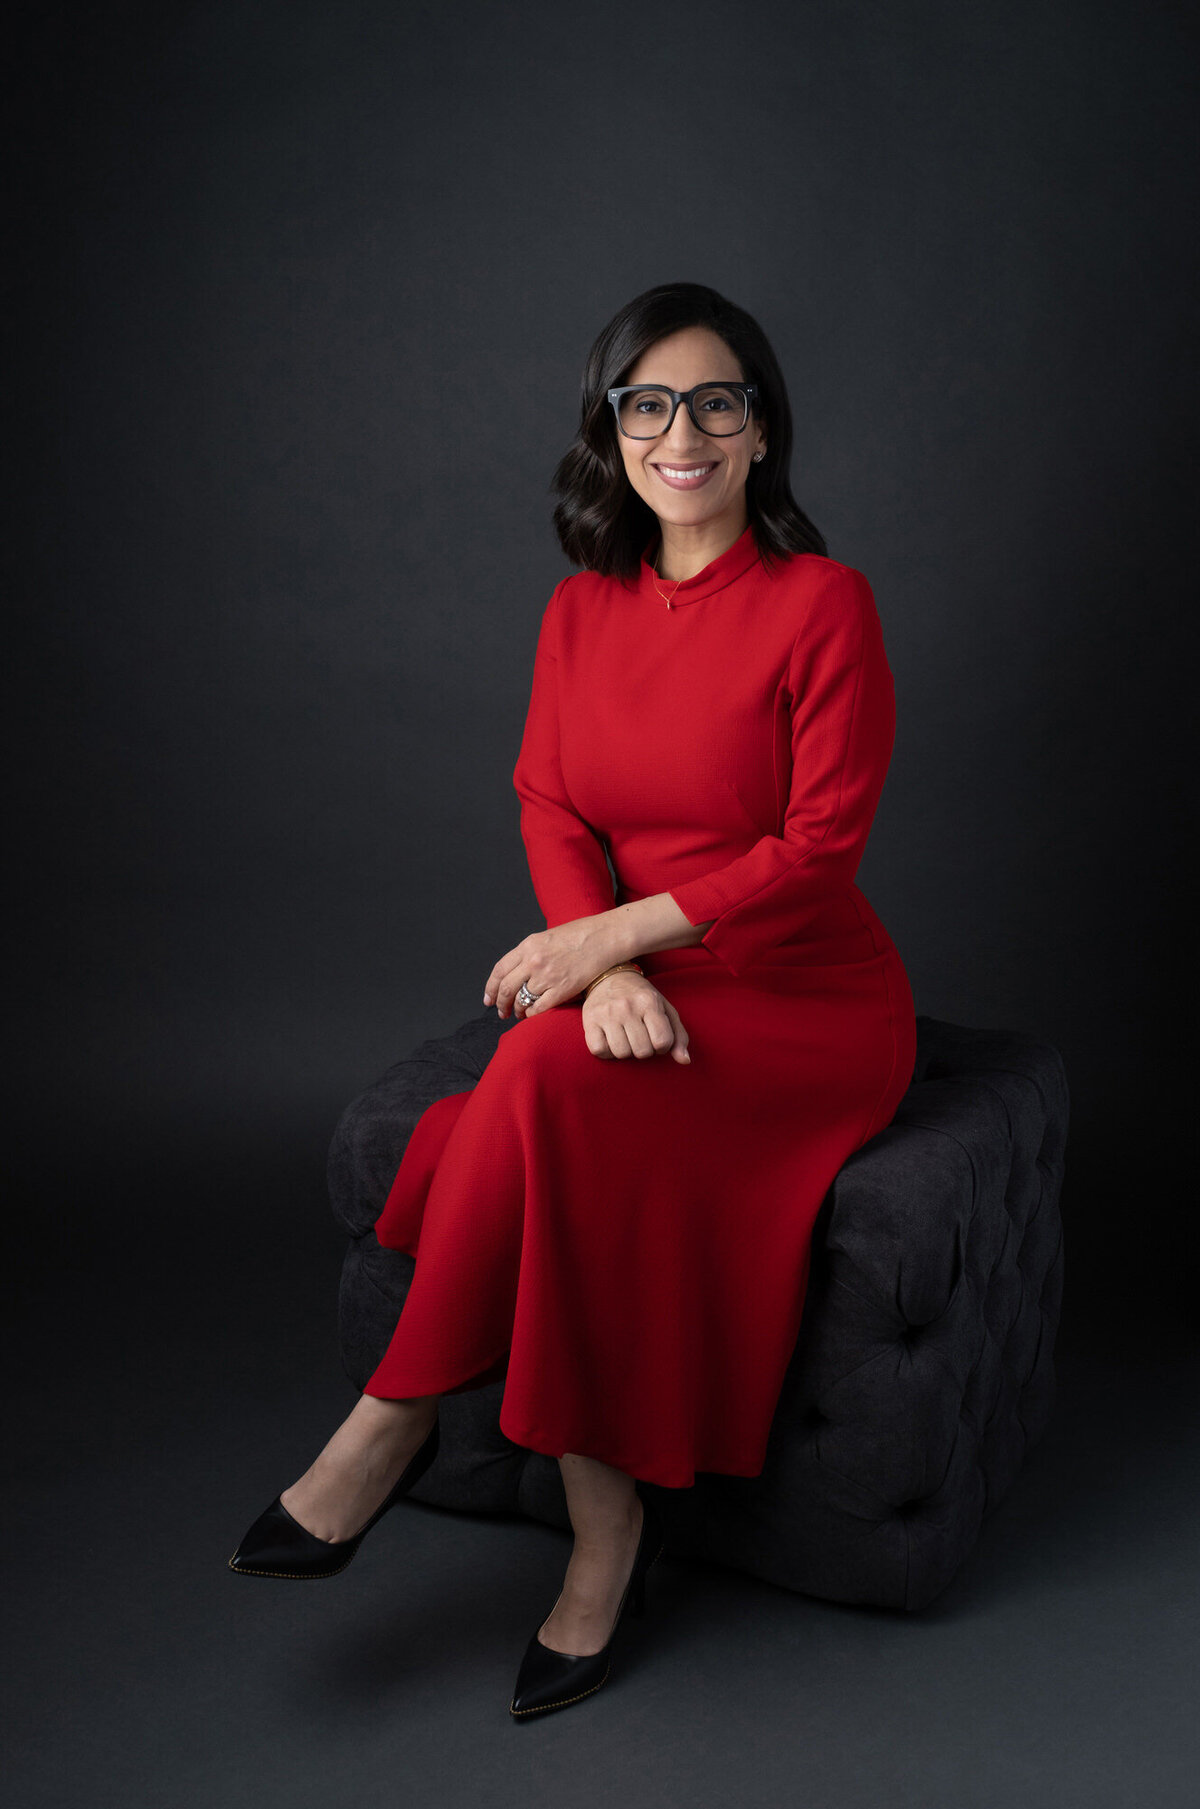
[[687, 511]]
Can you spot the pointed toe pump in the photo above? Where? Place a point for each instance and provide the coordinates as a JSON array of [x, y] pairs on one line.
[[278, 1546], [551, 1680]]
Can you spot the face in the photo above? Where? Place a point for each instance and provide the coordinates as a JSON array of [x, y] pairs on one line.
[[658, 469]]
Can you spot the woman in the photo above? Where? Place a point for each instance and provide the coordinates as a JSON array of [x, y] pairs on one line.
[[617, 1217]]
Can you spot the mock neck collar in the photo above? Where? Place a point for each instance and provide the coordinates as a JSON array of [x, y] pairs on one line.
[[719, 572]]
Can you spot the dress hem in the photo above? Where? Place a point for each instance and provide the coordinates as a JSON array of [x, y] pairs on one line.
[[526, 1439], [662, 1476], [479, 1376]]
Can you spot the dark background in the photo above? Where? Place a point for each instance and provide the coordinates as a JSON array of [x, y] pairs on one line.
[[274, 641]]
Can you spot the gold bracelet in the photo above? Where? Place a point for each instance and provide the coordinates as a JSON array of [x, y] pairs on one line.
[[622, 967]]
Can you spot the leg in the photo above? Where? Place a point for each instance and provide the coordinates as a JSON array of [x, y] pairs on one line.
[[606, 1516], [359, 1466]]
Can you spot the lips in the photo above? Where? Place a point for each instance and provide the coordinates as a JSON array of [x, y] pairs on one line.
[[677, 476]]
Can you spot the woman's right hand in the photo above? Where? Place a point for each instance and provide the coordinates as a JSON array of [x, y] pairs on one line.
[[627, 1015]]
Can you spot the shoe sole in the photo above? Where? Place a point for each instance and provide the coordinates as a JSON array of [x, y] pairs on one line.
[[544, 1708], [291, 1576]]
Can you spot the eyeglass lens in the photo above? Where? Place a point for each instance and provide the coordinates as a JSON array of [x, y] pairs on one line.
[[644, 413]]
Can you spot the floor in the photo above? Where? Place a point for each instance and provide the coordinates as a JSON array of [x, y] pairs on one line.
[[169, 1386]]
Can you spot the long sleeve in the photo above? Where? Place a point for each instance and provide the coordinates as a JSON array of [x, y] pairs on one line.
[[567, 863], [843, 716]]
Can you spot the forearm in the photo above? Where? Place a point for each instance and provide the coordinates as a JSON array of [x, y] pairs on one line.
[[646, 925]]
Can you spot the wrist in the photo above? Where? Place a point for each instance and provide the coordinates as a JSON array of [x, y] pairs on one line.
[[624, 936], [610, 973]]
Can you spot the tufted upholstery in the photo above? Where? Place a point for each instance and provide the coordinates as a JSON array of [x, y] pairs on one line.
[[924, 1367]]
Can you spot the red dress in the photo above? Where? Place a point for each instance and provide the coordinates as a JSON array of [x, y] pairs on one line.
[[627, 1241]]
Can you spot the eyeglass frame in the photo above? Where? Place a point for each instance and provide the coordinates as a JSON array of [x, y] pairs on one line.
[[749, 390]]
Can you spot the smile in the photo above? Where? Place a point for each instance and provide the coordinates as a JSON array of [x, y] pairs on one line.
[[685, 477]]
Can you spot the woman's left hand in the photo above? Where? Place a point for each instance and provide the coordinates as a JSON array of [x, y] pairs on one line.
[[555, 964]]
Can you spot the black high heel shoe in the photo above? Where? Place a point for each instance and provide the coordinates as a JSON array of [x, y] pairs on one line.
[[549, 1679], [278, 1546]]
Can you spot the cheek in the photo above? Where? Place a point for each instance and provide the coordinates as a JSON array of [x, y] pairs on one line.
[[634, 469]]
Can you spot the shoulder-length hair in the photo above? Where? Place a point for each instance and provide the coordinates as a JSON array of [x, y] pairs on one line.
[[601, 521]]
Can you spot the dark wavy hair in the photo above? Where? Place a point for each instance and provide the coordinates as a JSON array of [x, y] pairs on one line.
[[600, 519]]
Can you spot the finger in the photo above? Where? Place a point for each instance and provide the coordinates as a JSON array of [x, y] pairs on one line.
[[505, 978], [680, 1051], [659, 1028], [618, 1042], [638, 1035], [491, 986], [520, 1010], [511, 975]]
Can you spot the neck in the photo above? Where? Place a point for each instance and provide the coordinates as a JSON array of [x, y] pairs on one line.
[[685, 550]]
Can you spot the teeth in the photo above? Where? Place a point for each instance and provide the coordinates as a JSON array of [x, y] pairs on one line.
[[670, 471]]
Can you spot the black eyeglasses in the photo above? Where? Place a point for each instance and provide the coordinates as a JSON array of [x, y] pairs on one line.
[[646, 410]]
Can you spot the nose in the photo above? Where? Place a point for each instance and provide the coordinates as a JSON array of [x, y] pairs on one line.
[[683, 434]]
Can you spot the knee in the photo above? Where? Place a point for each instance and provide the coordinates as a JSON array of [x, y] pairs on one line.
[[550, 1045]]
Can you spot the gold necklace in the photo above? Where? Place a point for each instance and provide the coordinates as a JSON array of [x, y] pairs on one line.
[[654, 578]]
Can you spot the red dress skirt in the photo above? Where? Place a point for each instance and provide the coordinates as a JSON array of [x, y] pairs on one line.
[[627, 1241]]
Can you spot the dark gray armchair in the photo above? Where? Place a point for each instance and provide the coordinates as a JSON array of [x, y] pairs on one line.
[[924, 1367]]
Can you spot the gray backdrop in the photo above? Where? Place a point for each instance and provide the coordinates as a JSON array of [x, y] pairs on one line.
[[277, 643], [272, 658]]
